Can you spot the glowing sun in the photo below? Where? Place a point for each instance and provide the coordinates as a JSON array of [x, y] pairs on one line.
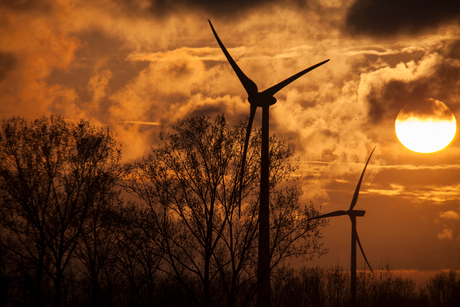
[[426, 126]]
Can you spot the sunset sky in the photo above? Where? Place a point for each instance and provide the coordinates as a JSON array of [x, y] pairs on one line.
[[139, 66]]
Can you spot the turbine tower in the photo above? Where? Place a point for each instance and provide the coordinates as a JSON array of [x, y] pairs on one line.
[[354, 234], [264, 100]]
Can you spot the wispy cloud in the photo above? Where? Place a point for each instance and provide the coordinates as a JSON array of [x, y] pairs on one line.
[[140, 123], [198, 53], [412, 167], [432, 194], [394, 189]]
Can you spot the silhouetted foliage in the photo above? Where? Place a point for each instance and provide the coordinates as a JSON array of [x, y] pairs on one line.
[[97, 254], [191, 186], [53, 175], [442, 290], [384, 289], [330, 287]]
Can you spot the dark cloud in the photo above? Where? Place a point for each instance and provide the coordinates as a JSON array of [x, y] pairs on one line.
[[212, 8], [387, 103], [97, 52], [28, 5], [426, 108], [396, 94], [442, 83], [390, 17], [222, 7], [454, 51], [7, 63]]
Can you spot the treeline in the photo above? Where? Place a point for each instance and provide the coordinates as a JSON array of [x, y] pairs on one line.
[[330, 287], [79, 228]]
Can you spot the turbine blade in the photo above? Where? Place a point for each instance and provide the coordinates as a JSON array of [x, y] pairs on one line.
[[245, 149], [249, 85], [330, 214], [362, 252], [274, 89], [355, 196]]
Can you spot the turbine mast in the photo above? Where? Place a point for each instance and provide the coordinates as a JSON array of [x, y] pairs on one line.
[[263, 265], [353, 260]]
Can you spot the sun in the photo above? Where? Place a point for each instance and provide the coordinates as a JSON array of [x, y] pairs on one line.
[[426, 126]]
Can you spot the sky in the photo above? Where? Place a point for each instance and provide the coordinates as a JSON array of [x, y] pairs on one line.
[[139, 66]]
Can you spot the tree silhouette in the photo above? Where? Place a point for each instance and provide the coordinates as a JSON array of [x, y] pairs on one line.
[[97, 253], [52, 175], [191, 186], [138, 256], [443, 289]]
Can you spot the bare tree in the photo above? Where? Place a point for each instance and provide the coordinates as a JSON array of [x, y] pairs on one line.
[[191, 186], [52, 174]]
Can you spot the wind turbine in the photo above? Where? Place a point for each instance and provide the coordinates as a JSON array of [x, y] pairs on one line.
[[264, 100], [354, 234]]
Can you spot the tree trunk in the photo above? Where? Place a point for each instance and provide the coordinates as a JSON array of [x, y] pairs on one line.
[[39, 281]]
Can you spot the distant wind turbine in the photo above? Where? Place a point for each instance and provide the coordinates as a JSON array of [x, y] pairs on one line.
[[264, 100], [354, 234]]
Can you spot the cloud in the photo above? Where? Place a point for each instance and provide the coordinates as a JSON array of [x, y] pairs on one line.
[[432, 194], [140, 123], [7, 63], [42, 5], [223, 9], [392, 17], [98, 85], [420, 167], [31, 48], [430, 109], [446, 234], [392, 190], [136, 139], [451, 215], [172, 84], [388, 89]]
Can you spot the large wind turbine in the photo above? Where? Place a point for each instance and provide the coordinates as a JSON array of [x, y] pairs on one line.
[[264, 100], [354, 234]]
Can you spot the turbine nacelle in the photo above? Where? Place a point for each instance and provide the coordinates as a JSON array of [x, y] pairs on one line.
[[351, 213], [261, 100], [356, 213]]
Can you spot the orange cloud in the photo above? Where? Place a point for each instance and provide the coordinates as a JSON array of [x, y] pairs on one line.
[[38, 45], [451, 215], [446, 234]]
